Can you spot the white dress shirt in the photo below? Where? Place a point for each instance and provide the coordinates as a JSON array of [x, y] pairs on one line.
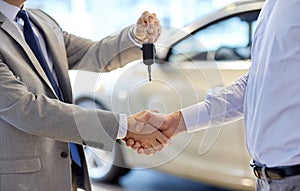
[[269, 95], [10, 12]]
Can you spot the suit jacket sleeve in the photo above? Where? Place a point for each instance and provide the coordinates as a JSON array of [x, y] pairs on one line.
[[29, 105], [37, 114], [110, 53], [105, 55]]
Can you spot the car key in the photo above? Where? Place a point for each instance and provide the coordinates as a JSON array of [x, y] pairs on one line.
[[148, 56]]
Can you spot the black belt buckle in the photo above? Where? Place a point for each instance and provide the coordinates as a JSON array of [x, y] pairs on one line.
[[273, 174], [256, 169], [256, 172]]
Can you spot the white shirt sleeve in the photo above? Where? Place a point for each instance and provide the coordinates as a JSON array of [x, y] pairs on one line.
[[195, 117], [218, 108], [131, 37], [123, 126]]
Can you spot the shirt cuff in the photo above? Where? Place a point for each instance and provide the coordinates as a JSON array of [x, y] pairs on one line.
[[133, 39], [195, 117], [123, 126]]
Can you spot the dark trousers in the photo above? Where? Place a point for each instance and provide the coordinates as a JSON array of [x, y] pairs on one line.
[[80, 177], [291, 183]]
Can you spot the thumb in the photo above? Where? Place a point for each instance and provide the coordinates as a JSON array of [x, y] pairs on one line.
[[140, 119], [156, 119], [144, 118], [138, 126]]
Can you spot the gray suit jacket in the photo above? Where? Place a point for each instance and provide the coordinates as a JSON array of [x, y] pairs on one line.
[[35, 127]]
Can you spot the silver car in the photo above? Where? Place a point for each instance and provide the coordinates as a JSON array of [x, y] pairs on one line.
[[191, 63]]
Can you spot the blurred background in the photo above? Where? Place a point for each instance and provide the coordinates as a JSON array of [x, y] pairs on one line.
[[104, 17]]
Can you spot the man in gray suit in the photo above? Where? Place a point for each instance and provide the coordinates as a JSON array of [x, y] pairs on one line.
[[38, 122]]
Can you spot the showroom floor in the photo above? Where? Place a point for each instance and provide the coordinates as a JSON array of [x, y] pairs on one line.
[[150, 180]]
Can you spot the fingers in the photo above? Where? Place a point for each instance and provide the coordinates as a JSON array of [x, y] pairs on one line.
[[154, 147], [146, 139], [151, 20], [138, 126], [154, 118], [157, 120], [151, 150], [148, 128], [157, 146], [147, 152], [149, 146], [163, 139], [145, 117], [140, 151], [153, 27], [147, 28], [129, 142], [141, 125], [136, 146], [140, 119]]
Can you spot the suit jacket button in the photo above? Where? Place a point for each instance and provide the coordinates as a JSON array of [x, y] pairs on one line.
[[64, 155]]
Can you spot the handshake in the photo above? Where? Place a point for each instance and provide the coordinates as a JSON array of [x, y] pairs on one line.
[[149, 131]]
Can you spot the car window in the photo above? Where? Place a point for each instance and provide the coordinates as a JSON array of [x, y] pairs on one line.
[[228, 39]]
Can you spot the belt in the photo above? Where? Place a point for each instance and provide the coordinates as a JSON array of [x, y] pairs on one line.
[[275, 173]]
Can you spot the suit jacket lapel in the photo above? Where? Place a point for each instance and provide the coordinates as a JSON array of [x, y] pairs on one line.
[[13, 31], [55, 47]]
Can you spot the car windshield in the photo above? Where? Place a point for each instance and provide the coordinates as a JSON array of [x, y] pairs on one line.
[[227, 39], [98, 18]]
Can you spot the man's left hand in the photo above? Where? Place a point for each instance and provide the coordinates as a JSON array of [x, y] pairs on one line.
[[147, 28]]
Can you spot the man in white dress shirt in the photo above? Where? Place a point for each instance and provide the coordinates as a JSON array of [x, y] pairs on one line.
[[268, 97]]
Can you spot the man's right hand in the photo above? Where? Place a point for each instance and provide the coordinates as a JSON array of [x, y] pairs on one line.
[[144, 136], [169, 125]]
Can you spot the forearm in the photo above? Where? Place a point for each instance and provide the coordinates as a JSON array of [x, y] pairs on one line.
[[106, 55], [175, 124], [37, 114], [42, 116], [223, 107]]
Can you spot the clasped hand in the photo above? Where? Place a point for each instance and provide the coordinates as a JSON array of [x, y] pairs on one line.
[[149, 131]]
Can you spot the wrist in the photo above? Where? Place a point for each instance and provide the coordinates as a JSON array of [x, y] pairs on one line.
[[140, 39], [179, 122], [131, 123], [123, 126]]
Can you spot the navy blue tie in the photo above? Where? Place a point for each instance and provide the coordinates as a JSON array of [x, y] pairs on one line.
[[34, 45]]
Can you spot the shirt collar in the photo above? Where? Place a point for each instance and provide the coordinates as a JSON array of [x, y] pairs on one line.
[[8, 10]]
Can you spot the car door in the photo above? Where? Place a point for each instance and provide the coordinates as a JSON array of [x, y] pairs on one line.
[[201, 63], [196, 66], [213, 57]]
